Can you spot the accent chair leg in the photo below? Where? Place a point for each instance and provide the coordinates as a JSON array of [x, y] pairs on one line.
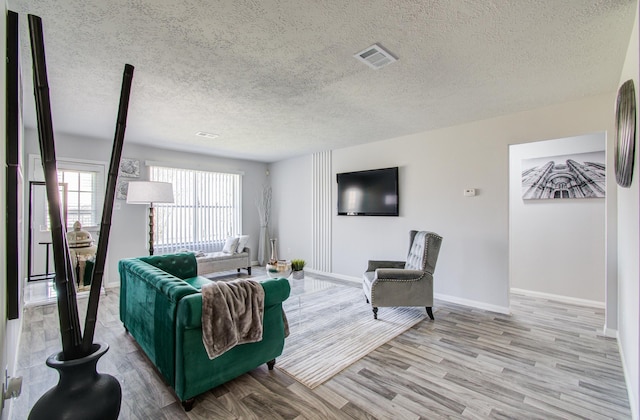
[[271, 364], [429, 312], [188, 404], [366, 298], [249, 270], [375, 313], [238, 270]]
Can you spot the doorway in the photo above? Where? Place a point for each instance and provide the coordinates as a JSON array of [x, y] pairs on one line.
[[557, 232]]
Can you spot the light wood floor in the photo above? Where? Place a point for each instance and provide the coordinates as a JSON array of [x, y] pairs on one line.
[[547, 360]]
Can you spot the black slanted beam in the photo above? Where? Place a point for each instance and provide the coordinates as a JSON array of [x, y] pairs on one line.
[[107, 210], [66, 293]]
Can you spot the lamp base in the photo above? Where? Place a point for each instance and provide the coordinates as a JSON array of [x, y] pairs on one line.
[[151, 226]]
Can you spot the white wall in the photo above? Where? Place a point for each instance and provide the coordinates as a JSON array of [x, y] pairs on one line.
[[629, 249], [435, 168], [129, 226], [291, 181], [557, 247]]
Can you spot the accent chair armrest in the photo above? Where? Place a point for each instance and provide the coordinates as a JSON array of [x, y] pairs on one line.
[[395, 274], [375, 264]]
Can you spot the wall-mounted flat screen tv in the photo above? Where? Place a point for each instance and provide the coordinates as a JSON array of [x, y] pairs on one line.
[[368, 193]]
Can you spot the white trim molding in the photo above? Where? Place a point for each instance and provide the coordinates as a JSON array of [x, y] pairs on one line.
[[560, 298], [473, 303]]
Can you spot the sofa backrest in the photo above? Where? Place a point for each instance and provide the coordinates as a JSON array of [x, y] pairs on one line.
[[182, 265]]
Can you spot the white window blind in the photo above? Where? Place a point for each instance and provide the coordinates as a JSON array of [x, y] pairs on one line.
[[206, 210]]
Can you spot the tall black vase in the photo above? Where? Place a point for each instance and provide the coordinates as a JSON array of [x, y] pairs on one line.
[[81, 392]]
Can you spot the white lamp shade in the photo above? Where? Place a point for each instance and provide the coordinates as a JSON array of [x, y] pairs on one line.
[[146, 192]]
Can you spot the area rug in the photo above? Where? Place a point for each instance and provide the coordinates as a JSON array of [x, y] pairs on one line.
[[332, 327]]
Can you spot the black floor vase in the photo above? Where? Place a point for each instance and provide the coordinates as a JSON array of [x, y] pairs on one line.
[[81, 392]]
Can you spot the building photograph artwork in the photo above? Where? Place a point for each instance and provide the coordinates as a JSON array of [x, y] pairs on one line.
[[579, 175]]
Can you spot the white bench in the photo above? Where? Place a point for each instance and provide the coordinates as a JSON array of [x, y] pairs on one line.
[[222, 261]]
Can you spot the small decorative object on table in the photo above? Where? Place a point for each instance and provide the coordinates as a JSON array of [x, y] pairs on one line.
[[274, 252], [298, 269], [281, 268]]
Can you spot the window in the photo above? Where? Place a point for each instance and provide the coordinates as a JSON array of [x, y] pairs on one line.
[[81, 197], [84, 182], [206, 210]]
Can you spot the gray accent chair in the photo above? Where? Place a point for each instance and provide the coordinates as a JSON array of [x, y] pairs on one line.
[[400, 283]]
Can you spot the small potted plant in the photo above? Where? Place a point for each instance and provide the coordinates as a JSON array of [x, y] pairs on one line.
[[298, 269]]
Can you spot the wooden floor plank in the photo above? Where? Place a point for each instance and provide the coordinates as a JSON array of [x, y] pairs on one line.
[[547, 359]]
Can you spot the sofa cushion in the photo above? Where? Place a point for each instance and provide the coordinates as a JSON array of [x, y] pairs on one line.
[[197, 282]]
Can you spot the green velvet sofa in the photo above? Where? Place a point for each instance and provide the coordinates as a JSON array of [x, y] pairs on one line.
[[161, 307]]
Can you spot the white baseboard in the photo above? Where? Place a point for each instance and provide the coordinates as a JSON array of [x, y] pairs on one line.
[[452, 299], [473, 303], [338, 276], [560, 298], [633, 399], [609, 332]]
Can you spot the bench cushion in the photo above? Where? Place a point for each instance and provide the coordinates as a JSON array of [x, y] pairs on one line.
[[219, 261], [221, 256]]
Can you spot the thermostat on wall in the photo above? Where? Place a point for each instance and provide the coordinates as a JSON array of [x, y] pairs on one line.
[[470, 192]]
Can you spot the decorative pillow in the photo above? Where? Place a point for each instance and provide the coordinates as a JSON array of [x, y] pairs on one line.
[[230, 246], [243, 240]]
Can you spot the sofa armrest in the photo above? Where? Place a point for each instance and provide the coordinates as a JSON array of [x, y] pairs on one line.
[[394, 274], [375, 264], [189, 314], [275, 291], [248, 251]]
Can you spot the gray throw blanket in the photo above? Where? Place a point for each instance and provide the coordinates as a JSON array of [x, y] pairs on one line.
[[232, 314]]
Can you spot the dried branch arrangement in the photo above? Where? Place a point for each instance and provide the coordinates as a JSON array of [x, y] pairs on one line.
[[74, 344]]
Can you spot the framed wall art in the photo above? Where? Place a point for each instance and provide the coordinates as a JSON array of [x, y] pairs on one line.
[[122, 187], [129, 168], [578, 175]]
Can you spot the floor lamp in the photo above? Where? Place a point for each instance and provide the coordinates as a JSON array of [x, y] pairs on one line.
[[148, 192]]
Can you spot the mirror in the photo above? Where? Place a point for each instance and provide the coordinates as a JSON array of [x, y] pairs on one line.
[[39, 252], [625, 133], [82, 243]]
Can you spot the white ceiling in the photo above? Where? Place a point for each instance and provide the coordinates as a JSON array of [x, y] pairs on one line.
[[277, 78]]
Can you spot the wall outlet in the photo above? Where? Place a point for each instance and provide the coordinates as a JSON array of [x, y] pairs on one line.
[[469, 192], [11, 387]]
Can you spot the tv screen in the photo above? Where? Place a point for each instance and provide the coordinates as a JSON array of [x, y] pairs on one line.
[[368, 193]]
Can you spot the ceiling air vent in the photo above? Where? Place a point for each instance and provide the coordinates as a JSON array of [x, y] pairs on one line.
[[375, 57], [207, 135]]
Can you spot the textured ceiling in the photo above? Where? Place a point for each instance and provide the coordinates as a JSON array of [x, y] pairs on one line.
[[277, 78]]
